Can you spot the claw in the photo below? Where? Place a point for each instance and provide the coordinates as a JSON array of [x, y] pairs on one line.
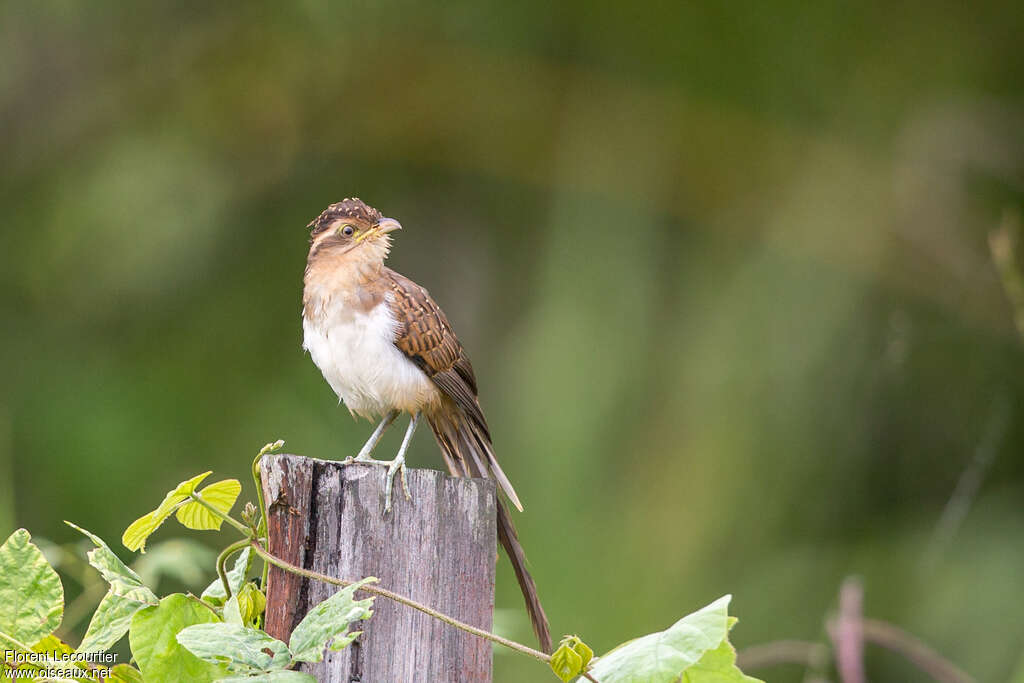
[[397, 466], [405, 484]]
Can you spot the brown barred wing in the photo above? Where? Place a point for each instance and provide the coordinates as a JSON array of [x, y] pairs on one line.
[[426, 337]]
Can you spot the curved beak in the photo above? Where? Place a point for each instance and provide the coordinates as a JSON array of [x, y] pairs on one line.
[[386, 225]]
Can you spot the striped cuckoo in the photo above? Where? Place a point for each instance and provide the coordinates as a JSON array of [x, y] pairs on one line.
[[386, 348]]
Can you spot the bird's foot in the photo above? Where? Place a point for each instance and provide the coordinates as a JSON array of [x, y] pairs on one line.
[[396, 466]]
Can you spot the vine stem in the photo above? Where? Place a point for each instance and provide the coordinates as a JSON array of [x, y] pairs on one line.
[[205, 604], [253, 542], [222, 560], [245, 531], [408, 602], [257, 479]]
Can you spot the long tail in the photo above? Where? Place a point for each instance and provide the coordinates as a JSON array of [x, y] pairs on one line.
[[510, 542], [467, 452]]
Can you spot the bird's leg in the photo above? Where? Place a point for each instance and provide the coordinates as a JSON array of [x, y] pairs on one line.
[[398, 464], [371, 443]]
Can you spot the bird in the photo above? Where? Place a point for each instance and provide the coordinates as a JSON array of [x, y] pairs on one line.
[[386, 348]]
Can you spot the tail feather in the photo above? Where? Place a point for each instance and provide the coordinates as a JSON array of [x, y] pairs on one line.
[[492, 461], [465, 448], [510, 542]]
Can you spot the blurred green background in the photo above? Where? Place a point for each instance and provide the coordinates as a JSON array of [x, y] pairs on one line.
[[723, 270]]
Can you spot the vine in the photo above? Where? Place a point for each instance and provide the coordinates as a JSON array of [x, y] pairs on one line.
[[218, 635]]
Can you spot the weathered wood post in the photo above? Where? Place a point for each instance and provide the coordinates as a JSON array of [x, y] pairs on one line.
[[438, 549]]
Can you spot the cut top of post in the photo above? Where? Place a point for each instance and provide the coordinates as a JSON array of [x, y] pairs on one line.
[[439, 548]]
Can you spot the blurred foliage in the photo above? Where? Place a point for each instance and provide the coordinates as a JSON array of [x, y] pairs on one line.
[[724, 267]]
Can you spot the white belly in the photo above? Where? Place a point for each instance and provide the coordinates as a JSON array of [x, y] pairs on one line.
[[357, 355]]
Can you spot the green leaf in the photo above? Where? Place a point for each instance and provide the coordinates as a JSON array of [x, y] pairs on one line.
[[232, 614], [75, 671], [125, 673], [584, 651], [123, 581], [566, 662], [242, 650], [251, 603], [717, 666], [135, 535], [51, 644], [328, 621], [343, 641], [663, 657], [214, 593], [221, 496], [156, 649], [109, 623], [580, 648], [279, 676], [31, 594], [127, 595]]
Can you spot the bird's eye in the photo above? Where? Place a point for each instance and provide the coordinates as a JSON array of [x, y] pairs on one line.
[[348, 230]]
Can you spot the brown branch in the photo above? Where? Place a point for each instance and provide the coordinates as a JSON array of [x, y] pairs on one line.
[[925, 658], [781, 652], [847, 632]]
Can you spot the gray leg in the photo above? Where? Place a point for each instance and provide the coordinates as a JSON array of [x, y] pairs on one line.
[[371, 443], [398, 465]]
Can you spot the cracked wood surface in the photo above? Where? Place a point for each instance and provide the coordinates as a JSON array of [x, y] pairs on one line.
[[438, 549]]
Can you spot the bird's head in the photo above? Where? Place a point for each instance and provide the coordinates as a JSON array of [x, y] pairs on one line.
[[351, 227]]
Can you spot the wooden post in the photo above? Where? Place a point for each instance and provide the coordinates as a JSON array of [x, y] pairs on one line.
[[438, 549]]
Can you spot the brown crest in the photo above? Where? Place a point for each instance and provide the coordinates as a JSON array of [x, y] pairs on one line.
[[353, 209]]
